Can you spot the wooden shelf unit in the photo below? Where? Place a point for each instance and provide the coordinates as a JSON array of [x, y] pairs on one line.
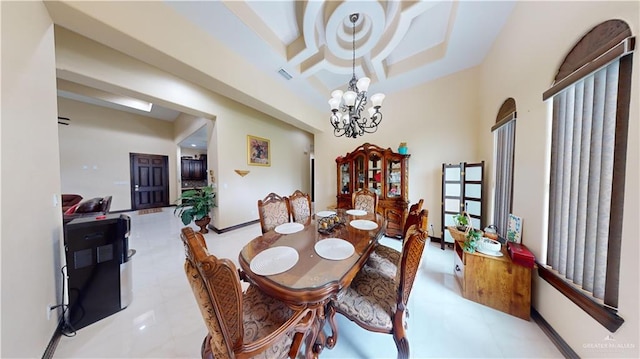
[[496, 282], [381, 171]]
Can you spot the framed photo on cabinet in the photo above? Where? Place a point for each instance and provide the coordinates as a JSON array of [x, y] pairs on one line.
[[258, 151]]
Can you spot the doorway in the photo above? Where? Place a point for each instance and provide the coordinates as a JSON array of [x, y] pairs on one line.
[[149, 181]]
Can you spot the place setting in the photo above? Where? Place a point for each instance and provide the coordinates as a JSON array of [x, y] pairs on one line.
[[289, 228], [325, 214], [274, 260], [363, 224], [356, 212], [334, 249]]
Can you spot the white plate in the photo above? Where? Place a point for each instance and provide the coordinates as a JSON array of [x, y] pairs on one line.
[[363, 224], [490, 253], [356, 212], [325, 213], [288, 228], [334, 249], [274, 260]]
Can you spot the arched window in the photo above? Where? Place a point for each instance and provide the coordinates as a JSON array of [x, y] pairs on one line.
[[590, 98], [504, 136]]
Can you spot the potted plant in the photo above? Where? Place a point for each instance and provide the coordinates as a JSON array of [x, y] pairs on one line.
[[473, 239], [195, 205], [461, 220]]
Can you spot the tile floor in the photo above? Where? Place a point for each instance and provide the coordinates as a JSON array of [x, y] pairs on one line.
[[163, 321]]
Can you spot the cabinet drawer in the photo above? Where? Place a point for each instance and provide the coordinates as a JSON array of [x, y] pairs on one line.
[[458, 270]]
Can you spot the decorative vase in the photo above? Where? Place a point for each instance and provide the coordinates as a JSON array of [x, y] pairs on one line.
[[202, 223], [402, 149]]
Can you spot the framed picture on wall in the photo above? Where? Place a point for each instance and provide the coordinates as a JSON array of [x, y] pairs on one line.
[[258, 151]]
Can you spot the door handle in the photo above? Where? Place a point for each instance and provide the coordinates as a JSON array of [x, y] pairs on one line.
[[136, 188]]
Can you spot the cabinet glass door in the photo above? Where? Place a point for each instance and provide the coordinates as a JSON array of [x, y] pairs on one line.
[[375, 173], [345, 178], [394, 180], [359, 172]]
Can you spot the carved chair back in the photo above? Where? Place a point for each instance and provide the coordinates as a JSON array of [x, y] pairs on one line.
[[365, 200], [413, 217], [300, 207], [273, 211], [216, 286], [410, 260]]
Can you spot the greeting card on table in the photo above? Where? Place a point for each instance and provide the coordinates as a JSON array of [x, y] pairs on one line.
[[514, 231]]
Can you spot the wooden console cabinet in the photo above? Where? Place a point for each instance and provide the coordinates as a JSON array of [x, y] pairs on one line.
[[381, 171], [496, 282]]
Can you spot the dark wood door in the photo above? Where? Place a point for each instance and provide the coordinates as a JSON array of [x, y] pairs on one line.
[[149, 181]]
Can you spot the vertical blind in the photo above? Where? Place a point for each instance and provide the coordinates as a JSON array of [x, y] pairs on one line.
[[582, 162], [504, 143]]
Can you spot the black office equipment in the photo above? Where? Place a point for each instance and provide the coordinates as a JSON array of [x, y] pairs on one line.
[[98, 267]]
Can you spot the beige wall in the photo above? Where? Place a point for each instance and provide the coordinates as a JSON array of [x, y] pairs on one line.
[[95, 148], [522, 64], [30, 194], [90, 62], [289, 170]]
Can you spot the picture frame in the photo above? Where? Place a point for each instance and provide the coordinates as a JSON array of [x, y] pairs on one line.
[[258, 151], [514, 230]]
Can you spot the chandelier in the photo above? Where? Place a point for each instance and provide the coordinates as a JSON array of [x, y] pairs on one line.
[[346, 108]]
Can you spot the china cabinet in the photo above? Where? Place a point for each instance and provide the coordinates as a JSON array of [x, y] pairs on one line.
[[382, 171]]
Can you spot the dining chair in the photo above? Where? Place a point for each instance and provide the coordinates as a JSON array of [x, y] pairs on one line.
[[240, 325], [365, 200], [299, 205], [273, 211], [385, 259], [378, 303]]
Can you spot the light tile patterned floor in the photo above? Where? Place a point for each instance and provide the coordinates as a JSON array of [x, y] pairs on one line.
[[163, 321]]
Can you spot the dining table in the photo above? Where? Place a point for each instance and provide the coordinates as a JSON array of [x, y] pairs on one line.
[[307, 265]]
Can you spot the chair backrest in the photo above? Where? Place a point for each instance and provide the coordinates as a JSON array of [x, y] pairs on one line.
[[410, 259], [413, 217], [216, 286], [300, 207], [273, 211], [365, 200]]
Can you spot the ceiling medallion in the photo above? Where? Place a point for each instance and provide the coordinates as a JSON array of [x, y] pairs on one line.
[[346, 107]]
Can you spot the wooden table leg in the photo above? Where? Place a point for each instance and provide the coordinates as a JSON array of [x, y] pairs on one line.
[[331, 340], [317, 340]]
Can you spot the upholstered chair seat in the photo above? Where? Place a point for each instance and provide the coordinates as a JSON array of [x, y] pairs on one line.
[[386, 259], [371, 299]]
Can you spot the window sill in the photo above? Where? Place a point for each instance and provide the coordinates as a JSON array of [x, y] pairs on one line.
[[604, 315]]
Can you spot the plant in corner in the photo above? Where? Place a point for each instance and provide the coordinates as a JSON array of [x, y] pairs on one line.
[[195, 205]]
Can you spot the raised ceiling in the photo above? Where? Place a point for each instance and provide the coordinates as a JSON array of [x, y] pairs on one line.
[[399, 44]]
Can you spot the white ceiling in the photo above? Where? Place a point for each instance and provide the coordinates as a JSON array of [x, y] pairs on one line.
[[399, 44]]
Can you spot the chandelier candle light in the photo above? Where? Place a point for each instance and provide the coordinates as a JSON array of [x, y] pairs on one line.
[[351, 123]]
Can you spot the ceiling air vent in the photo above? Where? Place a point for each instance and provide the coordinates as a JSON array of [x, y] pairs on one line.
[[285, 74]]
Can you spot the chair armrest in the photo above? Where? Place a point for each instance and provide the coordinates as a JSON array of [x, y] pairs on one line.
[[300, 322]]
